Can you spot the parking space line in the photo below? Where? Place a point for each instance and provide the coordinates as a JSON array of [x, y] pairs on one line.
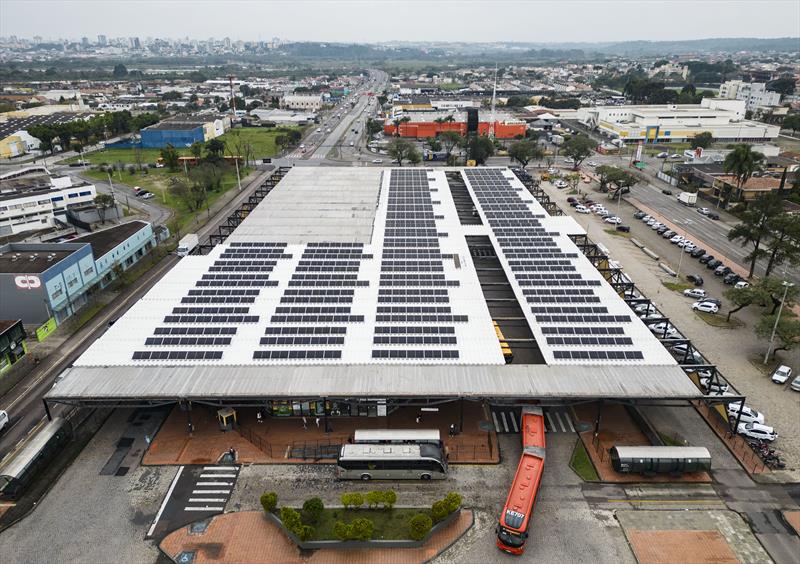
[[164, 503]]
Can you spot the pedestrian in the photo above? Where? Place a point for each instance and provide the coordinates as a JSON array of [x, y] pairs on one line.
[[305, 424], [419, 419], [191, 428], [259, 417], [232, 453], [452, 429], [317, 422]]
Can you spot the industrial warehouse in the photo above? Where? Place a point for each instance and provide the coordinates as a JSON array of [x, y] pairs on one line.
[[381, 287]]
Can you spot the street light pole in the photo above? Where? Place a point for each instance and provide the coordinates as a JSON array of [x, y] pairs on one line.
[[786, 286]]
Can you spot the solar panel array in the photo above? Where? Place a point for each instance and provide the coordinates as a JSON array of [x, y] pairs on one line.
[[564, 303], [220, 301], [414, 319]]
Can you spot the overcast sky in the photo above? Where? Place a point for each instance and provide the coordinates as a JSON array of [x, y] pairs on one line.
[[412, 20]]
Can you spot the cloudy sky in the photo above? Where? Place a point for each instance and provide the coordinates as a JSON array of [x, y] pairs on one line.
[[413, 20]]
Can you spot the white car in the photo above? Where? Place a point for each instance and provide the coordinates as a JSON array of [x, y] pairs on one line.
[[684, 351], [661, 327], [552, 170], [613, 219], [651, 221], [706, 307], [656, 226], [582, 209], [781, 374], [569, 160], [741, 284], [704, 211], [560, 184], [688, 248], [683, 242], [695, 293], [662, 155], [599, 210], [757, 431], [377, 161], [646, 218], [592, 164], [3, 419], [675, 156], [676, 239], [714, 387], [644, 308], [749, 415]]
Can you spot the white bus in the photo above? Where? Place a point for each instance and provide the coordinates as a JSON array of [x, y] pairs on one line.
[[391, 462], [397, 436]]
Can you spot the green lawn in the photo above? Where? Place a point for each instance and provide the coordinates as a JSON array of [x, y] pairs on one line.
[[390, 524], [581, 464], [720, 320], [677, 286]]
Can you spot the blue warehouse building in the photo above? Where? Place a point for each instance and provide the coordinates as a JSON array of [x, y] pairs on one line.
[[176, 133]]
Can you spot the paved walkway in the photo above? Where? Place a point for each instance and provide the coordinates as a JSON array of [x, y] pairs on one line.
[[282, 440], [248, 537]]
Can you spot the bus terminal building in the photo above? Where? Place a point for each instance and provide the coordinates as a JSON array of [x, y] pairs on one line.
[[353, 291]]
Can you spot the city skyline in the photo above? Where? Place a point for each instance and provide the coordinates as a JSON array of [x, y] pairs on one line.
[[473, 21]]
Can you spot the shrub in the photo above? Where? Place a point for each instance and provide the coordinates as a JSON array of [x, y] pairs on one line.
[[354, 499], [269, 501], [313, 507], [304, 532], [290, 518], [389, 498], [341, 530], [374, 498], [440, 510], [453, 501], [419, 526], [361, 529]]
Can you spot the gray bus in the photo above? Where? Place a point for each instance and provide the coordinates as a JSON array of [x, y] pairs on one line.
[[391, 462]]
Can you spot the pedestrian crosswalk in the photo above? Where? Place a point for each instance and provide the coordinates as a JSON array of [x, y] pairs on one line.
[[212, 488], [556, 419]]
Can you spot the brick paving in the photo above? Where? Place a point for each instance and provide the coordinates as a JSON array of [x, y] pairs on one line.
[[617, 428], [271, 442], [248, 537], [696, 547]]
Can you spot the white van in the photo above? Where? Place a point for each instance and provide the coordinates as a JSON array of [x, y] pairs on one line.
[[3, 419]]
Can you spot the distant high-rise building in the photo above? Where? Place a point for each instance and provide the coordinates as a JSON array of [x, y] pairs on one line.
[[227, 42], [84, 41], [37, 39], [102, 40], [135, 43]]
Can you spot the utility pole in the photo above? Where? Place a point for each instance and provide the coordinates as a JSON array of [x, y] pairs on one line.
[[494, 100], [786, 286]]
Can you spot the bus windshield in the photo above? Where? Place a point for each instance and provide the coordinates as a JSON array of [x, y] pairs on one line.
[[510, 538]]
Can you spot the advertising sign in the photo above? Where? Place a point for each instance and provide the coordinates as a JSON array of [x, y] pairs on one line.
[[45, 330]]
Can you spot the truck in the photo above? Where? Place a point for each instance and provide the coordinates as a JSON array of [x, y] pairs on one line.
[[187, 244], [687, 198]]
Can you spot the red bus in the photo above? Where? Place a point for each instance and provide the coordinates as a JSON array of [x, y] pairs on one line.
[[512, 530]]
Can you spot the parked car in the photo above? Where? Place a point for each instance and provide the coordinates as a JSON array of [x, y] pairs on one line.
[[712, 264], [689, 247], [697, 252], [713, 386], [694, 292], [592, 164], [575, 204], [572, 199], [703, 211], [661, 327], [706, 307], [668, 234], [560, 184], [731, 278], [639, 215], [722, 270], [667, 191], [662, 229], [712, 215], [741, 284], [684, 242], [3, 419], [624, 228], [662, 155], [377, 161], [714, 301], [695, 279], [646, 218], [148, 196], [757, 431], [652, 221], [748, 414], [676, 239], [675, 156], [582, 209], [781, 374], [706, 258], [613, 220], [795, 385], [644, 308]]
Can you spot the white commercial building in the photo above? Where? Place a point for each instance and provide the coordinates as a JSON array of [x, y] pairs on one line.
[[673, 123], [311, 102], [753, 94], [29, 203]]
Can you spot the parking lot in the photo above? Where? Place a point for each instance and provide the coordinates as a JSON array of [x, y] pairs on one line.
[[736, 352]]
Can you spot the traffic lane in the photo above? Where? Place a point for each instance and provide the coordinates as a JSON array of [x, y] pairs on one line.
[[23, 403]]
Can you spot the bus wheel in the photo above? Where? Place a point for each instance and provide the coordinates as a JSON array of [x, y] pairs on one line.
[[366, 477], [425, 477]]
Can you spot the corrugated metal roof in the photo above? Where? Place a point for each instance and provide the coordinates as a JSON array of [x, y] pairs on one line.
[[377, 381]]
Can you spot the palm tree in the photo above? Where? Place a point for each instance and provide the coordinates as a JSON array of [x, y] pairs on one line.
[[742, 162]]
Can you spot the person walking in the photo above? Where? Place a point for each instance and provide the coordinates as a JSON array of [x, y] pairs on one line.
[[305, 424], [317, 422], [259, 417], [419, 419]]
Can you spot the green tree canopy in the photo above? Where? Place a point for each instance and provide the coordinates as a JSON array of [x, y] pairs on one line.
[[403, 150], [579, 148]]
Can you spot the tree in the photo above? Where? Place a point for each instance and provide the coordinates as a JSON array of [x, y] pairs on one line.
[[450, 140], [361, 529], [373, 127], [290, 518], [215, 148], [354, 499], [282, 142], [578, 147], [191, 195], [103, 202], [389, 499], [480, 149], [171, 157], [755, 225], [784, 86], [744, 297], [403, 149], [313, 508], [171, 95], [787, 333], [703, 140], [784, 243], [742, 162], [269, 501], [614, 180], [453, 501], [419, 526], [434, 144], [196, 149], [789, 122], [120, 71], [524, 152], [374, 498], [138, 157]]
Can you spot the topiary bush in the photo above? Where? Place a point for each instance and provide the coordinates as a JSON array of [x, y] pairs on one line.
[[453, 501], [305, 532], [374, 498], [313, 508], [269, 501], [440, 510], [361, 529], [389, 499], [419, 526], [290, 518], [353, 499], [341, 530]]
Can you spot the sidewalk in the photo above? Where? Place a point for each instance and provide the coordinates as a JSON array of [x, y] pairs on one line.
[[247, 537], [282, 440]]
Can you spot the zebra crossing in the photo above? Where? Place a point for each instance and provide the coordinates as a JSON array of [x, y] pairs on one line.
[[508, 420], [212, 488]]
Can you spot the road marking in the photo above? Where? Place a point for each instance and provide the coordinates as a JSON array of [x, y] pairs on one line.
[[209, 492], [505, 423], [514, 422], [550, 420], [496, 423], [557, 417], [207, 499], [217, 476], [205, 508], [219, 468], [164, 503], [710, 500], [214, 483]]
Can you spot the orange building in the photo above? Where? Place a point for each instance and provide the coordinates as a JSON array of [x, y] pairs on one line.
[[423, 129]]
